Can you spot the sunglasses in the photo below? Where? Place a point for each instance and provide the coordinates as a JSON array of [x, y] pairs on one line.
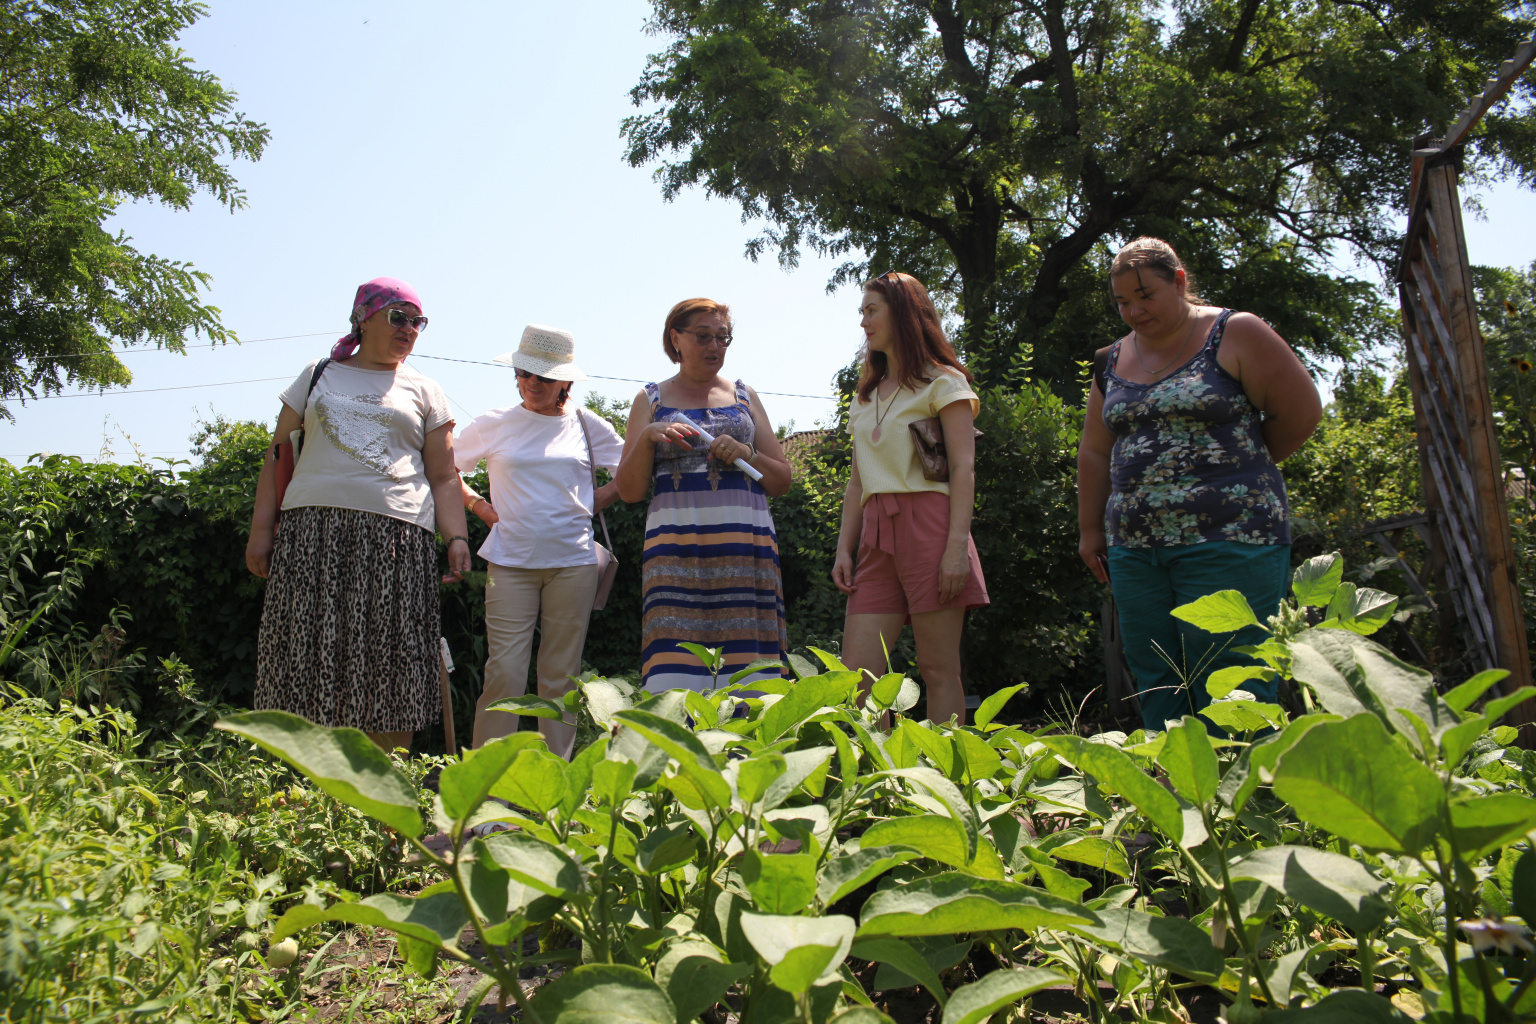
[[705, 337], [524, 374], [400, 318]]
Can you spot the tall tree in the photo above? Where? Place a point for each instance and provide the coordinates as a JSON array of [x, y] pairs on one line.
[[1001, 148], [99, 106]]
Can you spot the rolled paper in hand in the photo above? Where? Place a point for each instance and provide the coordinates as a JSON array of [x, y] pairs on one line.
[[742, 464]]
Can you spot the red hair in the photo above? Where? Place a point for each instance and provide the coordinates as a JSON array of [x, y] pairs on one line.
[[681, 318], [919, 342]]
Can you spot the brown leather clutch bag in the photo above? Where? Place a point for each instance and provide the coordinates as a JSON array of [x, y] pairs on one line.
[[928, 440]]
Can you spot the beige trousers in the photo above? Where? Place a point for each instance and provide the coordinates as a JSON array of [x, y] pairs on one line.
[[560, 602]]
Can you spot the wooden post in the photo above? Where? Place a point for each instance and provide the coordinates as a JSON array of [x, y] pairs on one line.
[[1482, 442]]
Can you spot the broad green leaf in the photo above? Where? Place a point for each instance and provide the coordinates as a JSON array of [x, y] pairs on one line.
[[939, 838], [829, 660], [1332, 884], [1316, 579], [799, 950], [1224, 680], [1346, 1006], [1094, 851], [847, 757], [1311, 664], [848, 871], [994, 703], [420, 957], [982, 761], [436, 919], [1190, 762], [906, 697], [529, 704], [1225, 611], [801, 666], [710, 656], [1168, 942], [805, 698], [885, 690], [1256, 764], [974, 1003], [937, 747], [465, 784], [630, 745], [1522, 889], [611, 781], [535, 780], [900, 955], [1465, 695], [578, 774], [602, 994], [1360, 609], [1350, 778], [757, 666], [605, 699], [506, 906], [780, 883], [692, 757], [343, 762], [950, 796], [755, 773], [1115, 769], [534, 862], [1243, 716], [800, 765], [1458, 739], [665, 849], [695, 977], [1056, 881], [1496, 708], [861, 1015], [954, 903], [1485, 823], [1401, 687]]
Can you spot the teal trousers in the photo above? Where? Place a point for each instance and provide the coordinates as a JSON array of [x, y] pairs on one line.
[[1170, 658]]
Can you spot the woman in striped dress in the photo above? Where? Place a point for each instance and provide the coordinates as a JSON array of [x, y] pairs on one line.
[[710, 570]]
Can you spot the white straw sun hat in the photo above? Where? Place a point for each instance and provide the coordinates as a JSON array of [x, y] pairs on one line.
[[545, 352]]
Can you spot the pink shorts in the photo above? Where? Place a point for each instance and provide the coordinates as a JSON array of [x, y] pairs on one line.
[[901, 545]]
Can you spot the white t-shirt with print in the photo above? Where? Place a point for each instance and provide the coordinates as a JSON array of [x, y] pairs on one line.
[[363, 435], [541, 483]]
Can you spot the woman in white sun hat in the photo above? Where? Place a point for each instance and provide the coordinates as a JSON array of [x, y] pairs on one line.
[[540, 455]]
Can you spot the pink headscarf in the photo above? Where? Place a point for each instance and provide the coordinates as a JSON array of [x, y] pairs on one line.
[[371, 298]]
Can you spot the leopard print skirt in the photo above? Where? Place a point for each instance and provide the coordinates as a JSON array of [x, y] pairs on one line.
[[349, 624]]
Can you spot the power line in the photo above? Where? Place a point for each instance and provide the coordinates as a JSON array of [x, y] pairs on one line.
[[145, 391], [418, 355], [598, 376], [141, 351]]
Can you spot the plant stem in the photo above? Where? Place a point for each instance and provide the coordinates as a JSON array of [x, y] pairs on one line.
[[1367, 961]]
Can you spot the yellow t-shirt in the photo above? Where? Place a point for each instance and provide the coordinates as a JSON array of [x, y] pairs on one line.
[[889, 465]]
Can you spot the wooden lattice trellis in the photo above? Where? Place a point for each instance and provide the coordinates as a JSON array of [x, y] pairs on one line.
[[1458, 448]]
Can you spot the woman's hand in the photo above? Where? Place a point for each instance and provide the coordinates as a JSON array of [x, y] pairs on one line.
[[258, 552], [1094, 551], [458, 560], [954, 569], [486, 512], [661, 431], [728, 450], [842, 572]]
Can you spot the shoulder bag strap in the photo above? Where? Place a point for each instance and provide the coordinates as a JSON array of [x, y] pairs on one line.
[[592, 465], [1100, 365]]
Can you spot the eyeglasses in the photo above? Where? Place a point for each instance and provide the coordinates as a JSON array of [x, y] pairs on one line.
[[705, 337], [524, 374], [400, 318]]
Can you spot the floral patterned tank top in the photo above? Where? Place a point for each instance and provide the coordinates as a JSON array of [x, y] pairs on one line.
[[1189, 463], [726, 421]]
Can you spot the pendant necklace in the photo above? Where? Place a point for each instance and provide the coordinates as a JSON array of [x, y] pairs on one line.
[[1155, 373], [880, 417]]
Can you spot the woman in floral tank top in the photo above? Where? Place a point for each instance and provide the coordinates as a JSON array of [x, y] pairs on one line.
[[1179, 491]]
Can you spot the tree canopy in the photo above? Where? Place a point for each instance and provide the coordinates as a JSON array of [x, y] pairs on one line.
[[1000, 149], [99, 106]]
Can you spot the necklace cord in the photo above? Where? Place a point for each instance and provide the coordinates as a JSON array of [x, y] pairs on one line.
[[1189, 314]]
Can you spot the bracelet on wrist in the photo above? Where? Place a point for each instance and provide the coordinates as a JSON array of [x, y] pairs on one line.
[[471, 506], [464, 539]]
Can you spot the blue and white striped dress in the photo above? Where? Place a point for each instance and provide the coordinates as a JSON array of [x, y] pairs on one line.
[[710, 571]]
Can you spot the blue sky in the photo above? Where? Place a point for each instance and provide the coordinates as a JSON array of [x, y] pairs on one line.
[[472, 149]]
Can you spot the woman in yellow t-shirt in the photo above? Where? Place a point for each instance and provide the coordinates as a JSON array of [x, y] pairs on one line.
[[905, 552]]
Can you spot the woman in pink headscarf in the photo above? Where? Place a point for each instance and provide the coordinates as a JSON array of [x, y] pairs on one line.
[[349, 624]]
